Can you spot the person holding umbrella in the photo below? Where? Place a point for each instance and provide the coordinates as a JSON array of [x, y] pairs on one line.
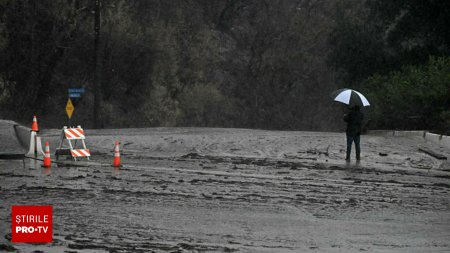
[[353, 118], [354, 121]]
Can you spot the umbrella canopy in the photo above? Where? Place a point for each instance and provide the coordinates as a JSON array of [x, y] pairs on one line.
[[350, 97]]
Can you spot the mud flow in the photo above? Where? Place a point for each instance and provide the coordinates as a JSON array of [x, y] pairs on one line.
[[231, 190]]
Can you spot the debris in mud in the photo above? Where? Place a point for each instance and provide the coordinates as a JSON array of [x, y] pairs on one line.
[[13, 175], [445, 166], [442, 185], [382, 154], [443, 176], [193, 181], [196, 247], [352, 201], [433, 153], [299, 157], [86, 246], [74, 178], [8, 248], [192, 155], [316, 151], [72, 164]]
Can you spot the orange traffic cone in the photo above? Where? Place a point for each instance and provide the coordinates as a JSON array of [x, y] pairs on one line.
[[34, 126], [47, 160], [116, 162]]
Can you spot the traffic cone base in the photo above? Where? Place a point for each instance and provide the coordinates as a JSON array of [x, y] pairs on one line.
[[35, 149]]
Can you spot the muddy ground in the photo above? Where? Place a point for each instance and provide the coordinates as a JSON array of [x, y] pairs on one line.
[[236, 190]]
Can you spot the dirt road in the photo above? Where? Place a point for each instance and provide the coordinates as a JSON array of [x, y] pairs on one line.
[[237, 190]]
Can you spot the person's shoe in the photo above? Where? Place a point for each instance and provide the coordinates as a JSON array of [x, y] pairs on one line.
[[358, 158], [347, 159]]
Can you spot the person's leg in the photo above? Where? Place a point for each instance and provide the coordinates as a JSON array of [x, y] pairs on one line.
[[349, 146], [357, 139]]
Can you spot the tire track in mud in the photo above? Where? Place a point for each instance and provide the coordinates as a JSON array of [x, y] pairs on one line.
[[296, 188], [309, 191], [324, 191]]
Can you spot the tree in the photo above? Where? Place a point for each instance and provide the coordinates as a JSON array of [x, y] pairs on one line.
[[160, 59], [415, 97], [39, 35], [379, 36]]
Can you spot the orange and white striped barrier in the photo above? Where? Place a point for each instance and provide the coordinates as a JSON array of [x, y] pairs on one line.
[[73, 134], [47, 160], [80, 152], [116, 162]]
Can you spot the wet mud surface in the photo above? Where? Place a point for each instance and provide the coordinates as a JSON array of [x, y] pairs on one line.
[[232, 190]]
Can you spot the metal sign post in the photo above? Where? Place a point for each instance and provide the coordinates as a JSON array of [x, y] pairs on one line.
[[74, 97]]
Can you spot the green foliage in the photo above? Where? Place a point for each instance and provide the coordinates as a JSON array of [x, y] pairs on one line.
[[415, 97], [159, 109], [396, 52], [205, 105], [233, 63], [379, 36], [358, 49], [415, 28]]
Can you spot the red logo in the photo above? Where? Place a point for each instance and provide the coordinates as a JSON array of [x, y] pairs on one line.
[[31, 224]]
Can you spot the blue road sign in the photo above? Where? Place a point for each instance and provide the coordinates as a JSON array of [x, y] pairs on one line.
[[78, 90], [74, 95]]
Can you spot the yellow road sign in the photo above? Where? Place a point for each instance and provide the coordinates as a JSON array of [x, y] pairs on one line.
[[69, 108]]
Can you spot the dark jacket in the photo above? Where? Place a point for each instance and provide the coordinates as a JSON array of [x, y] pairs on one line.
[[354, 122]]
